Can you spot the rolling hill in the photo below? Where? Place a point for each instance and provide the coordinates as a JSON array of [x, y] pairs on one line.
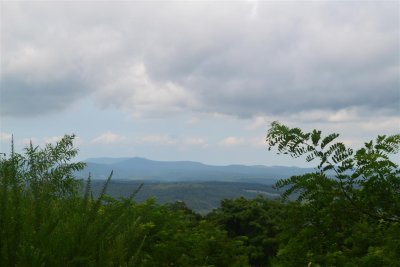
[[180, 171], [201, 197]]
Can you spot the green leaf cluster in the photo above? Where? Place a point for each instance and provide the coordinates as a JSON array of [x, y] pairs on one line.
[[348, 211], [256, 221]]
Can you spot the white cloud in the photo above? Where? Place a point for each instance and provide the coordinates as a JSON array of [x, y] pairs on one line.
[[232, 141], [109, 138], [308, 65], [344, 115], [384, 125], [260, 121], [78, 141], [195, 141], [352, 143], [208, 57], [326, 115], [158, 139], [53, 139], [132, 89], [259, 141], [5, 137]]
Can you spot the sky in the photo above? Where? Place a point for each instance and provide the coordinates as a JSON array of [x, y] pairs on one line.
[[196, 80]]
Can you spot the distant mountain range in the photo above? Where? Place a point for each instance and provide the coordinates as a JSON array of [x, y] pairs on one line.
[[179, 171], [201, 197]]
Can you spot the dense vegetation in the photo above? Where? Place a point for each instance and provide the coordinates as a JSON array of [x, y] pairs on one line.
[[201, 197], [346, 213]]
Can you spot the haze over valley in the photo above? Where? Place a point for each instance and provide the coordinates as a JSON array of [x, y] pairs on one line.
[[142, 169]]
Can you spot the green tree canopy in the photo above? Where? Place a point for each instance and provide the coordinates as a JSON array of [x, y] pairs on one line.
[[348, 210], [367, 178]]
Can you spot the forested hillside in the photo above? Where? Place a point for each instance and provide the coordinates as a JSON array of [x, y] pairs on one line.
[[351, 218], [201, 197]]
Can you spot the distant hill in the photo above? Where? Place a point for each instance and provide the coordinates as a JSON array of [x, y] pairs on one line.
[[179, 171], [201, 197]]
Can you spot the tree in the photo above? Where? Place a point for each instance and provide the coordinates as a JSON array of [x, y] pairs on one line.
[[30, 185], [44, 220], [367, 178], [347, 211], [256, 220]]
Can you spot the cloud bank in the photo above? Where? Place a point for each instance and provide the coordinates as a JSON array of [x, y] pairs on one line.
[[164, 58]]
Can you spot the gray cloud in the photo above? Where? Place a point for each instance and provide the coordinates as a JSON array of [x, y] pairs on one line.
[[24, 98], [232, 58]]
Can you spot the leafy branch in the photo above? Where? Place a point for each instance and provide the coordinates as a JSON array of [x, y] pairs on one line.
[[367, 178]]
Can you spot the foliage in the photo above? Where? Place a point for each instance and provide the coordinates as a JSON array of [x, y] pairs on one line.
[[346, 213], [368, 179], [257, 221], [177, 237], [202, 197], [347, 207], [45, 221]]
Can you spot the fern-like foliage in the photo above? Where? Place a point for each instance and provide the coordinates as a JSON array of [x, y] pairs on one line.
[[44, 221], [367, 178], [50, 169], [313, 146]]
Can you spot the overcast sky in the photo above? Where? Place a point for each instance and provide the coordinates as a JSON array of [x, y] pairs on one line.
[[197, 80]]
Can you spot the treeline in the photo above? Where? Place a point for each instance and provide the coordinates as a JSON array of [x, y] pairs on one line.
[[352, 219], [201, 197]]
